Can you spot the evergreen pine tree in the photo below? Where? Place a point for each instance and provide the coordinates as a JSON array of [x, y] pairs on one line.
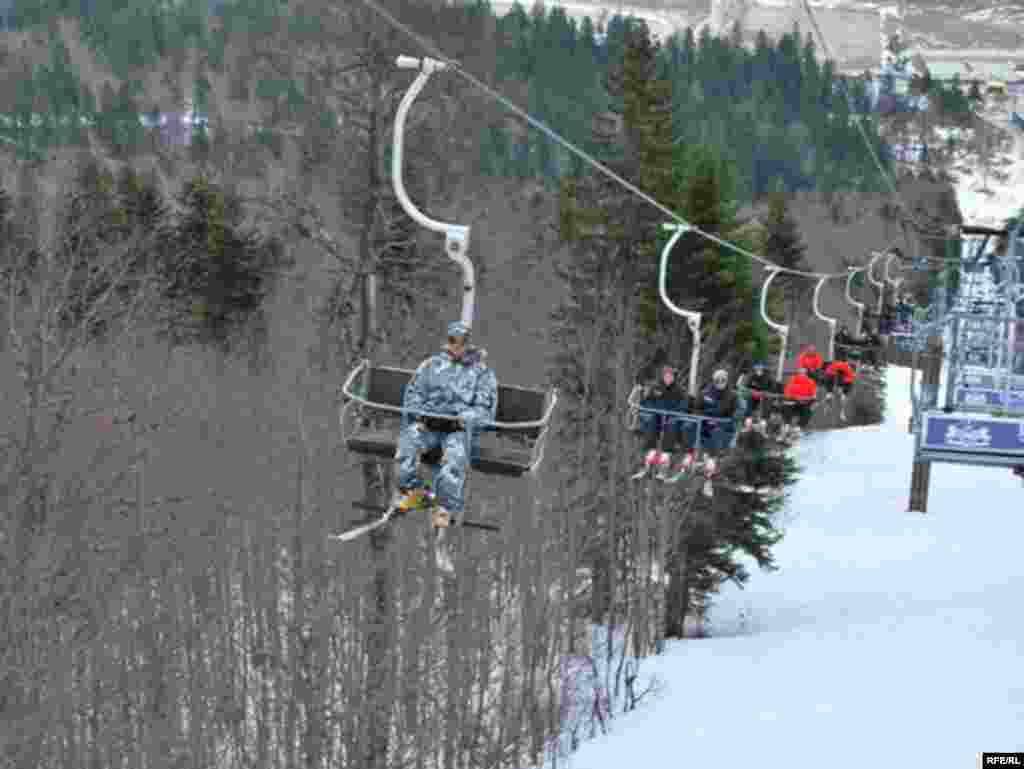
[[785, 247], [214, 273]]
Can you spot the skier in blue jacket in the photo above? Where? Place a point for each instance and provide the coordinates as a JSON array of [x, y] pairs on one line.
[[460, 394]]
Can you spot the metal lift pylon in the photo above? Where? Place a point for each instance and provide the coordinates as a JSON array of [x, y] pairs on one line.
[[982, 421]]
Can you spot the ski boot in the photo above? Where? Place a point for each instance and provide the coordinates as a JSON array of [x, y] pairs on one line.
[[684, 467], [650, 460], [412, 499], [664, 465]]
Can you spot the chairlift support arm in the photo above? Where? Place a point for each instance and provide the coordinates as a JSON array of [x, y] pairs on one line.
[[830, 321], [894, 282], [456, 243], [879, 284], [854, 302], [780, 329], [692, 318]]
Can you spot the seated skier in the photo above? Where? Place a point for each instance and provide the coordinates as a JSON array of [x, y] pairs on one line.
[[839, 375], [904, 311], [717, 400], [888, 321], [762, 386], [871, 342], [456, 385], [800, 393], [663, 394], [810, 359]]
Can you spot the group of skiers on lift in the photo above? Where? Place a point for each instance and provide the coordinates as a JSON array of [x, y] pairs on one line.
[[865, 347], [666, 413]]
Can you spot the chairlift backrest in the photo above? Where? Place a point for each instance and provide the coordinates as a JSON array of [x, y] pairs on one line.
[[522, 415], [516, 405], [521, 405], [386, 385]]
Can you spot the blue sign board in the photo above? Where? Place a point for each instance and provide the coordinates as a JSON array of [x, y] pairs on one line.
[[985, 435], [990, 398]]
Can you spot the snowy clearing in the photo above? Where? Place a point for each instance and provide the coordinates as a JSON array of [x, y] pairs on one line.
[[886, 638], [1003, 198]]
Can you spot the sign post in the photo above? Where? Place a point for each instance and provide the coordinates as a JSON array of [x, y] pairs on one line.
[[921, 475]]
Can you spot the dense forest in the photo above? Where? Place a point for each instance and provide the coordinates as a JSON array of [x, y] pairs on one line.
[[777, 112]]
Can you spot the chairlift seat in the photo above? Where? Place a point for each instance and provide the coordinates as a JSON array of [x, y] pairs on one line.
[[511, 448]]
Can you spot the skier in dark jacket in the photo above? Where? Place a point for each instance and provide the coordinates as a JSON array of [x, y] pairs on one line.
[[872, 341], [717, 400], [762, 386], [663, 393]]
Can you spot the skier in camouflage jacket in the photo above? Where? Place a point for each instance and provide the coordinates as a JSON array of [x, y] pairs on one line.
[[458, 387]]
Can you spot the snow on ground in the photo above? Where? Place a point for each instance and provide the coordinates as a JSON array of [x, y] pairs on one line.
[[662, 23], [1007, 196], [886, 638]]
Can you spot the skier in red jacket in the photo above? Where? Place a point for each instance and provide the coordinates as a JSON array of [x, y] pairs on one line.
[[799, 393], [811, 360], [839, 375]]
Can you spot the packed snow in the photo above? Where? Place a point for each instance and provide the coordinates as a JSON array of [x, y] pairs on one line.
[[886, 638], [993, 205]]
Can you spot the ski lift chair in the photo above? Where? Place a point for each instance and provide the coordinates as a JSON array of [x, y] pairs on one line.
[[372, 415], [511, 446]]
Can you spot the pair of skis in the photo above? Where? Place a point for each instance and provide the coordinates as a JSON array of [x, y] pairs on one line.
[[691, 468], [387, 514], [395, 510]]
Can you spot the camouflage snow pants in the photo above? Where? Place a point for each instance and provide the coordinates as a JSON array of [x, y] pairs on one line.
[[450, 478]]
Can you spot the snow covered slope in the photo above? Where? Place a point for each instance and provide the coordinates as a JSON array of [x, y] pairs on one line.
[[885, 639], [1005, 198]]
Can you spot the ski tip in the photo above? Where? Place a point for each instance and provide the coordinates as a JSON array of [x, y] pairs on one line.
[[347, 536]]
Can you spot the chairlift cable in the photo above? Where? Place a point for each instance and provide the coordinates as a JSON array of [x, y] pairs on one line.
[[582, 154]]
